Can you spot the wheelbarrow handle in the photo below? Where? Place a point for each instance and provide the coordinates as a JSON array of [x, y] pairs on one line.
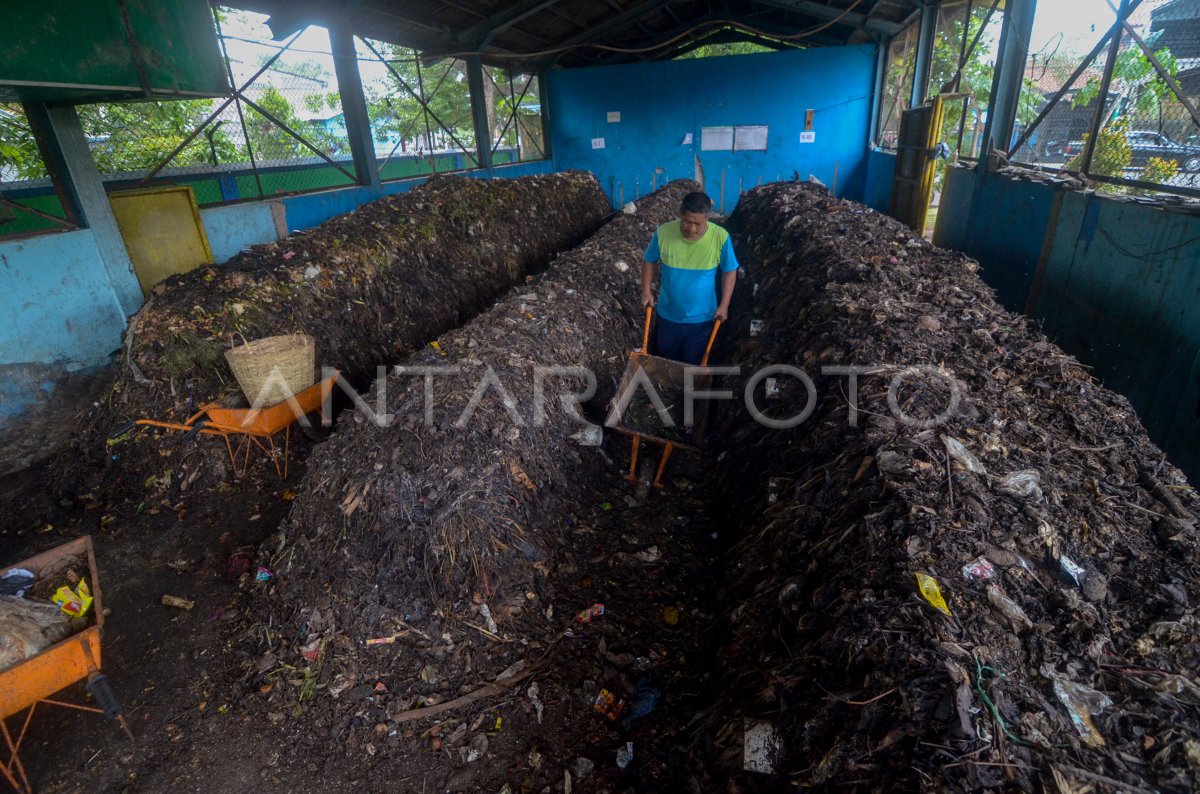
[[122, 430], [195, 430], [711, 338]]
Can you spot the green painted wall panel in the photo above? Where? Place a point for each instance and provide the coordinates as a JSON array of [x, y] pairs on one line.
[[72, 50], [1119, 289]]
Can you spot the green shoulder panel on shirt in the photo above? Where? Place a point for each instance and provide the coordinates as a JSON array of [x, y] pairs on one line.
[[702, 254]]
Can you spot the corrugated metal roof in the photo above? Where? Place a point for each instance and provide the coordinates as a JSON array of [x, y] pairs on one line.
[[588, 32], [1179, 9]]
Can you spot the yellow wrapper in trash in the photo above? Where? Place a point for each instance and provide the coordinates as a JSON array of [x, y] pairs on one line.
[[77, 602], [932, 593]]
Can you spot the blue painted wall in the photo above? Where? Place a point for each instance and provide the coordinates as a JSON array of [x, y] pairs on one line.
[[1117, 284], [234, 228], [662, 102], [881, 170], [57, 304]]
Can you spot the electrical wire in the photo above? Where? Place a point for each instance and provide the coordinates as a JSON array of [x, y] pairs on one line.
[[987, 701], [1153, 254], [712, 23], [733, 23]]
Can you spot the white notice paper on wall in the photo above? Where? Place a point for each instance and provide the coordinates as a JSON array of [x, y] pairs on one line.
[[597, 143], [716, 139], [614, 116], [808, 136], [750, 139], [687, 140]]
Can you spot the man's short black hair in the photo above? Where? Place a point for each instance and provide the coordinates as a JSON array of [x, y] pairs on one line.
[[695, 202]]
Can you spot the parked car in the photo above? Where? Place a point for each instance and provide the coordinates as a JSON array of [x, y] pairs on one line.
[[1145, 144], [1072, 148]]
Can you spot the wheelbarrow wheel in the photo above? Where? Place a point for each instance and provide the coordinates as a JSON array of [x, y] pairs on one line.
[[645, 478], [312, 429]]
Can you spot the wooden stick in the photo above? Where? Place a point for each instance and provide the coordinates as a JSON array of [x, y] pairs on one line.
[[487, 633], [490, 690], [1117, 784], [1166, 497]]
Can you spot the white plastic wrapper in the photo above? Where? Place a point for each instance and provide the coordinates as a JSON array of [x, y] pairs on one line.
[[1024, 485]]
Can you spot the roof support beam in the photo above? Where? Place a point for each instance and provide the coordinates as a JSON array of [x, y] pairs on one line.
[[481, 35], [1010, 74], [663, 39], [829, 13], [354, 105], [724, 36], [924, 58], [479, 114], [637, 12]]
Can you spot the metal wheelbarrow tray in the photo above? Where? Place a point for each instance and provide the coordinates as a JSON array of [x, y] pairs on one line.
[[28, 683], [633, 413]]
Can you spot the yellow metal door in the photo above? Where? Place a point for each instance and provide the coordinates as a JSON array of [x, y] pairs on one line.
[[162, 230], [912, 187]]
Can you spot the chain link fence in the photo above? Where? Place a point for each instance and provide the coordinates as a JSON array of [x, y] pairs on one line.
[[28, 201], [897, 86], [514, 107], [419, 111], [283, 129], [1120, 106]]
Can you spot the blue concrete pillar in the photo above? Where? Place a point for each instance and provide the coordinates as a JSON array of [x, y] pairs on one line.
[[1010, 73], [354, 105], [544, 100], [877, 91], [483, 135], [67, 154], [924, 59]]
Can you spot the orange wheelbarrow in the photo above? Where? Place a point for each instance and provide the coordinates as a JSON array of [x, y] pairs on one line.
[[641, 416], [29, 683], [253, 428]]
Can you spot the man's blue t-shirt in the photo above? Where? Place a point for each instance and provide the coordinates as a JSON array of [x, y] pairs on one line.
[[689, 268]]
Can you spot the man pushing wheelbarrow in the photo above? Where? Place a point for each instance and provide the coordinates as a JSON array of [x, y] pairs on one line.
[[692, 252]]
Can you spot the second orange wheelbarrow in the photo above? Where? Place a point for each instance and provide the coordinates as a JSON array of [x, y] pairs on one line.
[[661, 382], [253, 428], [30, 683]]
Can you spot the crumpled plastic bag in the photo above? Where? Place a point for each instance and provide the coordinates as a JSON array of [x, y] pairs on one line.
[[27, 628], [1082, 702], [963, 456], [1024, 485]]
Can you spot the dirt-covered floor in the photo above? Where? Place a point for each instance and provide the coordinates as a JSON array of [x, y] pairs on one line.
[[650, 562]]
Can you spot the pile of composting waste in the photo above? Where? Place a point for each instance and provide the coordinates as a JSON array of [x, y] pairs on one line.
[[369, 286], [436, 511], [979, 575]]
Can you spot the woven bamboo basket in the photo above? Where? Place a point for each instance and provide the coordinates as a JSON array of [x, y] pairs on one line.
[[264, 366]]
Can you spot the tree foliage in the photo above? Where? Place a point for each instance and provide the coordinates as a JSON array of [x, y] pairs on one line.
[[270, 141], [727, 48], [19, 156], [128, 137], [1141, 90], [1113, 151], [1159, 171], [397, 115], [975, 80]]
